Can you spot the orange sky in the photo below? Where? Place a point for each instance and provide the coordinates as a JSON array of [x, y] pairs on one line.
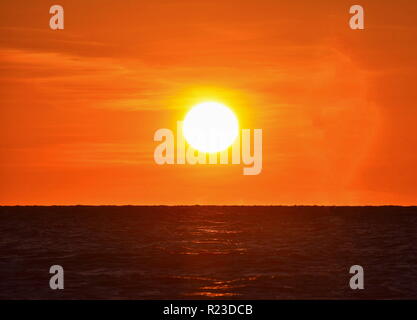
[[79, 107]]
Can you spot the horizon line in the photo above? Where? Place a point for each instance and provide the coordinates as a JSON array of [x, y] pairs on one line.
[[204, 205]]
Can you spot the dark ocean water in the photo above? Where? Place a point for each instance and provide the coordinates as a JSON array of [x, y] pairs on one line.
[[208, 252]]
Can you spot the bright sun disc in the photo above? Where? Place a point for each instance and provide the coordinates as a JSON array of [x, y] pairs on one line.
[[210, 127]]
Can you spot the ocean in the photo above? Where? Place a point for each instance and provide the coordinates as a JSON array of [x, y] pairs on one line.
[[208, 252]]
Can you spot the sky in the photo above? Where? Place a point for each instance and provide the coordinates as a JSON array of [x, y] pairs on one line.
[[79, 107]]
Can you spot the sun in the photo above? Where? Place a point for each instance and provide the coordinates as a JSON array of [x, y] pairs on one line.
[[210, 127]]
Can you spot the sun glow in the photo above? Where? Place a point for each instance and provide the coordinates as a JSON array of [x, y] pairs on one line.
[[210, 127]]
